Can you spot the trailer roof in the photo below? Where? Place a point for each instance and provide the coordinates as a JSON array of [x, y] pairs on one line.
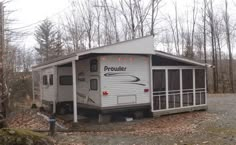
[[143, 45]]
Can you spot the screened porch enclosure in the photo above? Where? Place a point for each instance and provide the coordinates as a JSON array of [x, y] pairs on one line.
[[177, 86]]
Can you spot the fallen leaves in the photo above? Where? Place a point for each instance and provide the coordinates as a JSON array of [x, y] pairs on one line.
[[172, 125], [178, 124], [27, 119]]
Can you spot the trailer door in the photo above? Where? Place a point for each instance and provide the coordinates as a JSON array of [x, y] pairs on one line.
[[94, 93]]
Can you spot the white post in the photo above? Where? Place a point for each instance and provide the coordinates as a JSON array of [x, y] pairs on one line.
[[206, 86], [194, 88], [55, 88], [74, 91], [41, 85], [167, 89], [181, 87], [151, 83], [33, 87]]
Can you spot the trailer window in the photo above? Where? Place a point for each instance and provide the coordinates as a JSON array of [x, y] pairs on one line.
[[51, 79], [65, 80], [93, 84], [45, 80], [93, 65]]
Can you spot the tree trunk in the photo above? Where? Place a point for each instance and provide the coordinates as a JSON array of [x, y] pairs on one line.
[[226, 18]]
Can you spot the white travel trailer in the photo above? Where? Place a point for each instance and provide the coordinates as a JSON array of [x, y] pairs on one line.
[[122, 77]]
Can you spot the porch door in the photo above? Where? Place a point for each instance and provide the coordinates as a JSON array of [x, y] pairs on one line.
[[187, 80], [174, 88], [159, 89]]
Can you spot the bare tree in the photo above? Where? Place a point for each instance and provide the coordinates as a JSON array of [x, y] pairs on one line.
[[213, 46], [198, 43], [174, 33], [73, 32], [113, 17], [176, 28], [24, 59], [128, 11], [204, 30], [88, 18], [98, 19], [227, 28], [154, 12], [194, 16], [218, 45], [140, 16]]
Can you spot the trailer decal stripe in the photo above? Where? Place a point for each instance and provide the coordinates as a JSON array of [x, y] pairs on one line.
[[136, 79]]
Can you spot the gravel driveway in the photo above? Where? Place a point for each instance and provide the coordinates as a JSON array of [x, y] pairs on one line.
[[217, 126]]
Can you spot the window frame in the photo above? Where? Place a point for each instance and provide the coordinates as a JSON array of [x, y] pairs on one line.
[[92, 63], [51, 79], [91, 86], [65, 84], [45, 80]]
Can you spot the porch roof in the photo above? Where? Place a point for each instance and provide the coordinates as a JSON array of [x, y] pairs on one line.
[[181, 59]]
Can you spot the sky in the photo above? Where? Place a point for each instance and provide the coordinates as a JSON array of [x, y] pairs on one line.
[[29, 13]]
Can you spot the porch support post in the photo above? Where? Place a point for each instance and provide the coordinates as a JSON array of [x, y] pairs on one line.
[[205, 75], [33, 87], [41, 85], [194, 88], [74, 91], [167, 89], [55, 89], [151, 82], [181, 87]]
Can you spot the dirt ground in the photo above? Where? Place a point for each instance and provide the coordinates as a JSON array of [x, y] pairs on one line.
[[217, 126]]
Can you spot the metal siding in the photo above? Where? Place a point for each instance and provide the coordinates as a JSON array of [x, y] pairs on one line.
[[118, 86]]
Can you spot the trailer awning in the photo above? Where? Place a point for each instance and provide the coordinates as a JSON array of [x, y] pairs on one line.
[[55, 62]]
